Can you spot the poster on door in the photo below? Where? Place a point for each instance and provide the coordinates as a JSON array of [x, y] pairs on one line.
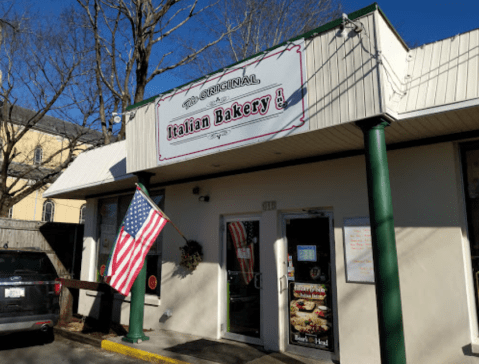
[[310, 315]]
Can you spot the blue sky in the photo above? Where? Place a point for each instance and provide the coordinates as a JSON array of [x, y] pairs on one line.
[[425, 21], [418, 22]]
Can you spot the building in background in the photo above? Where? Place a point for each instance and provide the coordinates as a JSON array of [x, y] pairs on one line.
[[46, 137]]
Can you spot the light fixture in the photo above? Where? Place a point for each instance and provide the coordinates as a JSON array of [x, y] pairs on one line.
[[117, 115], [357, 26], [205, 198]]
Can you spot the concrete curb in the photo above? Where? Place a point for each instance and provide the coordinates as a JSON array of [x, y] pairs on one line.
[[75, 336], [138, 354], [117, 348]]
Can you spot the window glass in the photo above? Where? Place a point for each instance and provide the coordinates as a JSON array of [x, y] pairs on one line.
[[48, 211], [244, 277], [471, 180], [38, 155], [153, 259], [82, 214], [108, 226], [16, 263]]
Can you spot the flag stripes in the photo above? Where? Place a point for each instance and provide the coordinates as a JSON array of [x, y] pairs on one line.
[[244, 251], [141, 227]]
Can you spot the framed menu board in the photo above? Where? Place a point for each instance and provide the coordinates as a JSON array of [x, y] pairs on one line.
[[358, 250]]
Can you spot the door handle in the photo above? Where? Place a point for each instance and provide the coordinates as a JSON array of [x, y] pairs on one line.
[[281, 282], [257, 280]]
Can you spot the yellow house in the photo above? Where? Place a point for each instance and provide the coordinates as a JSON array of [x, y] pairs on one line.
[[44, 140]]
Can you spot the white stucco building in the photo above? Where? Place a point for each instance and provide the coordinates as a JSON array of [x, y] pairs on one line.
[[287, 164]]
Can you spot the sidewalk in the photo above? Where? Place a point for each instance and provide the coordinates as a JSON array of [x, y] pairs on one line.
[[176, 348]]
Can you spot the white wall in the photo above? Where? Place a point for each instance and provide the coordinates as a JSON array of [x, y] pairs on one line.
[[427, 216], [427, 208]]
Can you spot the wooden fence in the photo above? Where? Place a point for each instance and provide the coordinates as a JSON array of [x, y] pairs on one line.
[[61, 242]]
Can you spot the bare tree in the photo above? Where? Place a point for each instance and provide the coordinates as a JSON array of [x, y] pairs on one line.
[[39, 64], [132, 47], [269, 23]]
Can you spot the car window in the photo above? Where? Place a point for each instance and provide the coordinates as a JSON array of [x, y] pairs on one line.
[[21, 262]]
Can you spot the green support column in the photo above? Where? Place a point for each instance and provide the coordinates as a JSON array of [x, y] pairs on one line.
[[137, 304], [388, 298]]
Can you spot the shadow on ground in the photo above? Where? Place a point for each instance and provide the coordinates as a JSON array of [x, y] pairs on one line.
[[227, 353], [25, 339]]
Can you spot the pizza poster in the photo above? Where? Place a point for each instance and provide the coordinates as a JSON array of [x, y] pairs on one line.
[[310, 316]]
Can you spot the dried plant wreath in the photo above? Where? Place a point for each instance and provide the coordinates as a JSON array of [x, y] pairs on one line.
[[191, 255]]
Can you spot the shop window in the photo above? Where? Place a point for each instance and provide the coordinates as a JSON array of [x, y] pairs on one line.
[[48, 211], [82, 214], [111, 212], [38, 156]]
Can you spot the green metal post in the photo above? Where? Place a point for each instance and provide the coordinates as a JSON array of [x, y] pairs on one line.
[[388, 298], [137, 304]]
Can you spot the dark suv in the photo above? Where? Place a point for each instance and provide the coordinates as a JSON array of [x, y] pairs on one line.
[[29, 291]]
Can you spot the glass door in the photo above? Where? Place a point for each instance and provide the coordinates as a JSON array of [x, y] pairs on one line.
[[243, 281], [310, 322]]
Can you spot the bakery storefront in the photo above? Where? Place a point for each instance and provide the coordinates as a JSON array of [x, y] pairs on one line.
[[263, 164]]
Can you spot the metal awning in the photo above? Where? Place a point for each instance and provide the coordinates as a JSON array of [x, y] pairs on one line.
[[99, 171]]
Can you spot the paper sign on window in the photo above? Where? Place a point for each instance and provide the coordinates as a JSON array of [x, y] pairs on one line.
[[358, 250]]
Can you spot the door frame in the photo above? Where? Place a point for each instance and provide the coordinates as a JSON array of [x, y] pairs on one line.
[[283, 298], [223, 284]]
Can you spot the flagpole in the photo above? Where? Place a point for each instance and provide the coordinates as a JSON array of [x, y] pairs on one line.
[[155, 206], [137, 303]]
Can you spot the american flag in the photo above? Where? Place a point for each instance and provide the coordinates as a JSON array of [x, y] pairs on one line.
[[243, 248], [141, 226]]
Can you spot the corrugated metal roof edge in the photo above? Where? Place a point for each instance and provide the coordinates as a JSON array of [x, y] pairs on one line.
[[79, 159], [324, 28], [443, 39]]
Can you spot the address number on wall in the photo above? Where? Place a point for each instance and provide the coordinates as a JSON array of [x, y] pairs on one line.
[[269, 205]]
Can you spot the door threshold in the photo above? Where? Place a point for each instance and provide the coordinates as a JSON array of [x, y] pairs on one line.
[[315, 358], [242, 338]]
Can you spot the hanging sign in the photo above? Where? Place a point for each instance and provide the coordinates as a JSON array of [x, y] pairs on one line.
[[358, 250], [260, 99]]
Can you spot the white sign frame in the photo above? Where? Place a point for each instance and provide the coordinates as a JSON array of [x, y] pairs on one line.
[[358, 254], [260, 99]]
